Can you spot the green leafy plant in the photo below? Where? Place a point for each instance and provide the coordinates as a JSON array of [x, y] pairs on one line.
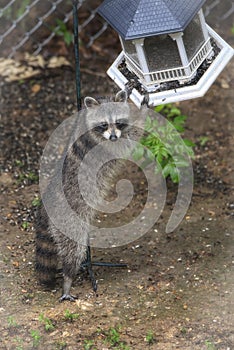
[[36, 337], [163, 143], [88, 344], [25, 225], [27, 177], [6, 13], [32, 176], [19, 163], [19, 343], [123, 346], [183, 330], [61, 345], [47, 323], [70, 316], [210, 345], [203, 140], [113, 338], [11, 321], [62, 30], [19, 347], [150, 338], [22, 8], [36, 202]]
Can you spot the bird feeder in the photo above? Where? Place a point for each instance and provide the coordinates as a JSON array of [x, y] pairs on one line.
[[169, 52]]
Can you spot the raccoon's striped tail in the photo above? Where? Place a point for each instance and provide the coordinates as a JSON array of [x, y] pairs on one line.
[[46, 252]]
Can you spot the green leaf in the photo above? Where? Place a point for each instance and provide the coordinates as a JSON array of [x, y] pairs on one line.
[[181, 163], [189, 143], [159, 108], [150, 155], [174, 111], [61, 24], [148, 123], [138, 152], [167, 170], [68, 38], [174, 174], [171, 170]]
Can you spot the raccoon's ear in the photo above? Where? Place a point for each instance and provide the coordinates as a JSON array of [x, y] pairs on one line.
[[121, 96], [90, 102]]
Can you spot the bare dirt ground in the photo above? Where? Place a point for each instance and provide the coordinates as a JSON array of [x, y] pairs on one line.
[[177, 291]]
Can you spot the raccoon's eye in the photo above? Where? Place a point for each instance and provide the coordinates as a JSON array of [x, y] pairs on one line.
[[101, 127], [121, 124]]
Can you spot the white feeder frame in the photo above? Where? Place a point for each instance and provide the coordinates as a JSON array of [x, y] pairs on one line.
[[181, 93]]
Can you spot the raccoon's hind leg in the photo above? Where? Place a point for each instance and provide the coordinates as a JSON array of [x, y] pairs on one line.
[[46, 252], [72, 256]]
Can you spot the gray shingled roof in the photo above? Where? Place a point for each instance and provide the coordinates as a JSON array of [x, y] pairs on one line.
[[141, 18]]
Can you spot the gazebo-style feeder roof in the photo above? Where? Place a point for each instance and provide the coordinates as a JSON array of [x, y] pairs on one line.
[[144, 18]]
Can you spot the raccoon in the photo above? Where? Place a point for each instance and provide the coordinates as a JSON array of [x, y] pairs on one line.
[[103, 121]]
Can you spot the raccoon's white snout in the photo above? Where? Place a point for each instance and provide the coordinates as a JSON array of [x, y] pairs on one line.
[[112, 134]]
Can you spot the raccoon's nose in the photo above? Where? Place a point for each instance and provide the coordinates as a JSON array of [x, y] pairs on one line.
[[113, 137]]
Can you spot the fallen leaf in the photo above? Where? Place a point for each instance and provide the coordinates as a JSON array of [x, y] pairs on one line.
[[56, 62], [84, 305], [36, 88], [15, 264], [224, 84]]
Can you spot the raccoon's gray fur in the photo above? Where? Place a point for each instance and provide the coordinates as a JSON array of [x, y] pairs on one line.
[[103, 121]]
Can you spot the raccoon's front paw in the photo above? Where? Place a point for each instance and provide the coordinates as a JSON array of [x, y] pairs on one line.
[[67, 297]]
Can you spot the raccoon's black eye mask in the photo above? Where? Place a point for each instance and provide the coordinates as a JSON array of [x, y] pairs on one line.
[[101, 127], [121, 124]]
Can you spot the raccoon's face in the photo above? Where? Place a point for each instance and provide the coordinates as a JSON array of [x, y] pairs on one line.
[[111, 131], [108, 120]]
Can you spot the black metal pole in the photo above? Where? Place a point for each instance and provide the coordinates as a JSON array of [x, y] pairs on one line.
[[88, 263], [77, 53]]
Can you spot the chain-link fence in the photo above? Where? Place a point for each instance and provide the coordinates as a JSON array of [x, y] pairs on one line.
[[30, 25]]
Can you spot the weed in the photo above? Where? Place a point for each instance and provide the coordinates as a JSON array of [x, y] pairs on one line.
[[22, 8], [11, 321], [183, 331], [62, 30], [123, 346], [47, 323], [203, 140], [36, 202], [36, 337], [32, 176], [19, 163], [88, 344], [70, 316], [150, 338], [164, 145], [25, 225], [19, 347], [210, 345], [61, 345], [19, 343], [113, 338], [6, 13]]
